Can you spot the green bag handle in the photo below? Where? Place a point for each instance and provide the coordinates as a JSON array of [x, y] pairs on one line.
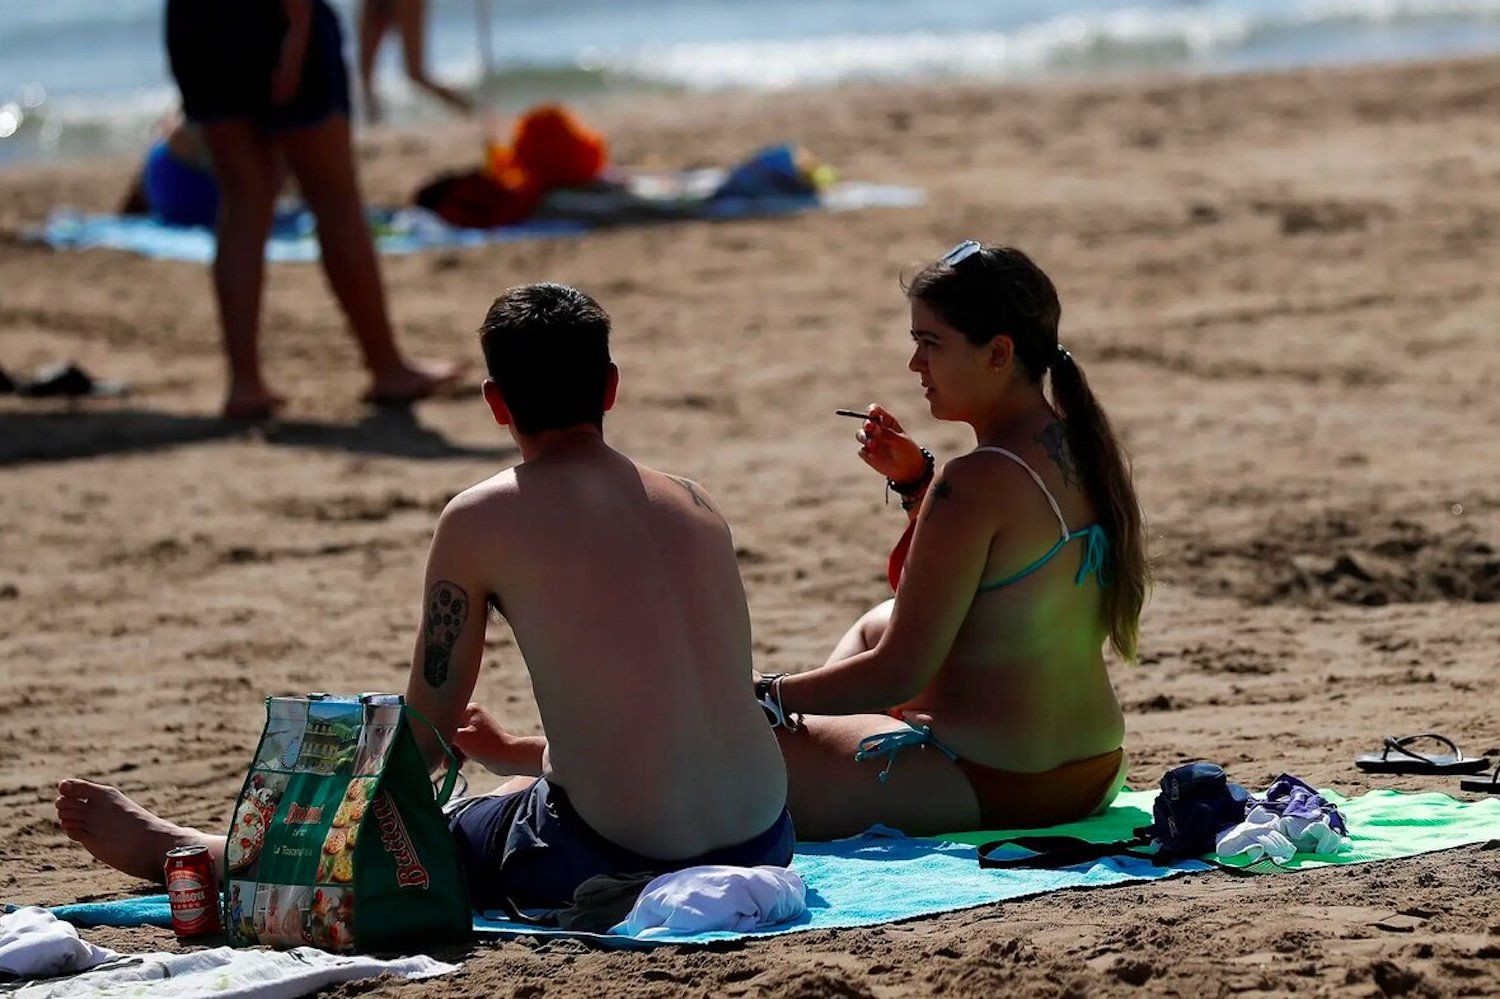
[[450, 778]]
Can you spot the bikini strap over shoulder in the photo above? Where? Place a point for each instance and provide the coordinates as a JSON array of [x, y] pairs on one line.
[[1051, 501]]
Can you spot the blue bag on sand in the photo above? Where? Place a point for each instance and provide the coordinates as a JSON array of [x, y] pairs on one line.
[[1197, 802]]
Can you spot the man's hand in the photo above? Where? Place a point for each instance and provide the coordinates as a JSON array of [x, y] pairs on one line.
[[480, 738]]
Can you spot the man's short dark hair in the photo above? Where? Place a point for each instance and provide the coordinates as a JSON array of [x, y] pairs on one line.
[[547, 347]]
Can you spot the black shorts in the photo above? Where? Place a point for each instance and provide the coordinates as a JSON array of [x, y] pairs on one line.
[[223, 53], [531, 847]]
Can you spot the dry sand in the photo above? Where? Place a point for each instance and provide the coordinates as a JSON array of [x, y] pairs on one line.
[[1282, 287]]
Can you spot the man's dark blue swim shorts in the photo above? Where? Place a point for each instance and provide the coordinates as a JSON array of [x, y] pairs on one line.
[[531, 848], [223, 53]]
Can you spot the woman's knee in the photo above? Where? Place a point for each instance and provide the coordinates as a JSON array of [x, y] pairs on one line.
[[876, 620]]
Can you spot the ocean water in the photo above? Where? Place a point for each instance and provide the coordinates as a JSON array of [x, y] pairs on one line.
[[82, 77]]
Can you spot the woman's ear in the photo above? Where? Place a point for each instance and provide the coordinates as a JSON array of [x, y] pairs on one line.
[[1002, 351]]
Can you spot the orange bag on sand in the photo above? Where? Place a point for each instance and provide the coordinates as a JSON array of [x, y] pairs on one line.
[[555, 149]]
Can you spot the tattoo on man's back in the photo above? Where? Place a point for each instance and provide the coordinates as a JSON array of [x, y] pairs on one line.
[[692, 489], [447, 610], [1054, 437]]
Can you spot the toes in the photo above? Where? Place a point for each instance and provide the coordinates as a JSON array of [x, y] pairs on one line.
[[73, 787]]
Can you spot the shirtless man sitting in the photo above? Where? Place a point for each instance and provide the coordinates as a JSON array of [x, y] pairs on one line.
[[621, 587]]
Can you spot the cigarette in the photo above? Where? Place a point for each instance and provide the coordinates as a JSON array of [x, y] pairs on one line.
[[852, 412]]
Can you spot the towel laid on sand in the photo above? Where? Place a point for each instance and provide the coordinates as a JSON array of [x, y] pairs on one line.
[[871, 880], [224, 972], [651, 198], [35, 943], [715, 897]]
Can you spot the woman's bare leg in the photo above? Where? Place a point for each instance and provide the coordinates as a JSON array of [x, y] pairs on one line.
[[413, 18], [375, 18], [245, 168], [322, 159], [830, 795], [121, 833], [864, 634]]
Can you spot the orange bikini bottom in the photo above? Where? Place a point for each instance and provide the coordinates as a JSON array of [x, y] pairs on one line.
[[1009, 800]]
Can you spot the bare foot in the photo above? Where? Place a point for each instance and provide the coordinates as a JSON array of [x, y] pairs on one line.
[[415, 380], [121, 833], [252, 403]]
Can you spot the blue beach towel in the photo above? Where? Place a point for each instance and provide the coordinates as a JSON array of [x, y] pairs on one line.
[[870, 880], [650, 198]]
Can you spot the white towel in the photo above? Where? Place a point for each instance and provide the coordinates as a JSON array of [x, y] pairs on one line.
[[1265, 833], [226, 973], [35, 943], [715, 897]]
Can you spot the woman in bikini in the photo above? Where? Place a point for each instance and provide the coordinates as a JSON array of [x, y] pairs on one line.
[[978, 697]]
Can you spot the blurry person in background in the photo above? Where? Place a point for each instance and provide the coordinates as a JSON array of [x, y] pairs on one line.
[[377, 18], [264, 82]]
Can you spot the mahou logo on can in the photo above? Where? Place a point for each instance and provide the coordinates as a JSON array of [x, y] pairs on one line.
[[192, 890]]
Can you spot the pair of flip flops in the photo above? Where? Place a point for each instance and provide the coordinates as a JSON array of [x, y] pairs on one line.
[[1397, 757], [64, 380]]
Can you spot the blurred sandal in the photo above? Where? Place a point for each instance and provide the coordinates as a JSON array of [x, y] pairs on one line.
[[67, 380], [1397, 757], [1483, 785]]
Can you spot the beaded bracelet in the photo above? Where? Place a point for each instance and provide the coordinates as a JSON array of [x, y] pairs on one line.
[[910, 491]]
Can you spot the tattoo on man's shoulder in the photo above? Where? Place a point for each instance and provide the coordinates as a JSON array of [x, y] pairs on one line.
[[692, 489], [1054, 437], [443, 621]]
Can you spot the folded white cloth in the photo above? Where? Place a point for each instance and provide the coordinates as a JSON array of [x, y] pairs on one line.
[[226, 973], [35, 943], [715, 897], [1264, 833]]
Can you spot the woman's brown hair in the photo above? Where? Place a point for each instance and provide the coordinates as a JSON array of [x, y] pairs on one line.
[[996, 290]]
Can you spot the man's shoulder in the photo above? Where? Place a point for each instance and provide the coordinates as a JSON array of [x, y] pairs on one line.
[[483, 501]]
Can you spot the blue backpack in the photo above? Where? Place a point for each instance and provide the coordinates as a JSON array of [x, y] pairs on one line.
[[1196, 803]]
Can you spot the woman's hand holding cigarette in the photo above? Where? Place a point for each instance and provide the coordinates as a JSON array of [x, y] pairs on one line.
[[885, 447]]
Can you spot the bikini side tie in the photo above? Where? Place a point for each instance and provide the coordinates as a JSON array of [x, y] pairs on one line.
[[891, 743]]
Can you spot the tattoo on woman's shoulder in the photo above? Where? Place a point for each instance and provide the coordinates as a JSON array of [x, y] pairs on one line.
[[1054, 437], [447, 611]]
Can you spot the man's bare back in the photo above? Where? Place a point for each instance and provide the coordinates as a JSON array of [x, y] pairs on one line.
[[621, 586]]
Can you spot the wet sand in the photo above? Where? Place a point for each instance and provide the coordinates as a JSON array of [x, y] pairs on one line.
[[1282, 287]]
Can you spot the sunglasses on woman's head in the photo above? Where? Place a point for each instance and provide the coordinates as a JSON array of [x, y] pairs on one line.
[[963, 251]]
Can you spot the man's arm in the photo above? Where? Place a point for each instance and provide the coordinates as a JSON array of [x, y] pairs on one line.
[[450, 641]]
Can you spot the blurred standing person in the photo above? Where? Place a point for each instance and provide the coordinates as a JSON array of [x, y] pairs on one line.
[[265, 82], [377, 18]]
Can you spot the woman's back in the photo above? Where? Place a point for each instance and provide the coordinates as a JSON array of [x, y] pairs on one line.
[[1024, 686]]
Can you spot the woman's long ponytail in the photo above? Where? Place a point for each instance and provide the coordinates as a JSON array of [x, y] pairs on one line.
[[1105, 469]]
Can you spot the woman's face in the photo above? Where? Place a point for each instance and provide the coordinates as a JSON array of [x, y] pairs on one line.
[[957, 376]]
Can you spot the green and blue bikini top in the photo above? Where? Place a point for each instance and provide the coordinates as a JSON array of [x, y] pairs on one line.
[[1095, 541]]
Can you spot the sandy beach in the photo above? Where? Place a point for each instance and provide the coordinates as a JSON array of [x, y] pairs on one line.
[[1282, 287]]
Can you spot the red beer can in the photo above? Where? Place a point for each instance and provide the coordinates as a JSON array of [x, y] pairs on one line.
[[193, 891]]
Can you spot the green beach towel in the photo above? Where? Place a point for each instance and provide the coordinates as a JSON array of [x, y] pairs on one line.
[[1383, 825]]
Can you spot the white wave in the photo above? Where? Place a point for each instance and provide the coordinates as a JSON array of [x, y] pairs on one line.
[[1124, 36]]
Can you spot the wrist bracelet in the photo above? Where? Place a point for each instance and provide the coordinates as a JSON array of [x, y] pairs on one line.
[[911, 490]]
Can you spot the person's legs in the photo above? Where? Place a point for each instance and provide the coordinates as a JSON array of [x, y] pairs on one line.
[[245, 168], [413, 22], [322, 159], [864, 634], [830, 795], [121, 833], [375, 19]]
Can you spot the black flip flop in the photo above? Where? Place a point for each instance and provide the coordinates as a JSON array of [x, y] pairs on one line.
[[6, 385], [67, 380], [1396, 758], [1483, 785]]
